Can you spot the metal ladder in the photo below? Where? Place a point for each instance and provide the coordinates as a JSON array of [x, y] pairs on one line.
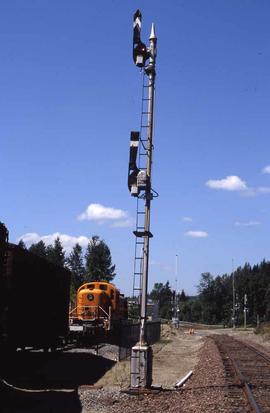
[[140, 212]]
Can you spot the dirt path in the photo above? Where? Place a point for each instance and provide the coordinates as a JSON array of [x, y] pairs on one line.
[[174, 356], [175, 359]]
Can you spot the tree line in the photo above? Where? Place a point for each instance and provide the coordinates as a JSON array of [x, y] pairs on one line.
[[95, 264], [214, 302], [212, 305]]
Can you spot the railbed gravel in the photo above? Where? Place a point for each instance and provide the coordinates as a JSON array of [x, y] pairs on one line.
[[205, 391]]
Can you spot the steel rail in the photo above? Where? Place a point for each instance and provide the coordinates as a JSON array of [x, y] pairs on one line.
[[243, 382], [246, 387], [263, 355]]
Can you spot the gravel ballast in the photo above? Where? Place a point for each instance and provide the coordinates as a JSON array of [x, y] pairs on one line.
[[205, 391]]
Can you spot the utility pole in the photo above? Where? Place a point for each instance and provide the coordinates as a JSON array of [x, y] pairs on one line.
[[175, 297], [139, 182], [176, 270], [245, 311], [233, 283]]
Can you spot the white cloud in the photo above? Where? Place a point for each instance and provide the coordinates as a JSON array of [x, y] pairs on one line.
[[187, 219], [230, 183], [98, 212], [101, 214], [67, 241], [266, 169], [246, 224], [234, 183], [196, 234]]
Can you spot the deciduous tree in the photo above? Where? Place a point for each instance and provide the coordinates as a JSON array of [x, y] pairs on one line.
[[163, 294]]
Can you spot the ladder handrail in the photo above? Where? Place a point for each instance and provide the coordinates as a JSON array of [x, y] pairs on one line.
[[87, 307]]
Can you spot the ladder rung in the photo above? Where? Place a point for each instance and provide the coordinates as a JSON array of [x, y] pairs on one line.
[[141, 234], [137, 289], [137, 273], [138, 258]]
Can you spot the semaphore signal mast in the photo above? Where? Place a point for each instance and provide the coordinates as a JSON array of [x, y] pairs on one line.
[[139, 183]]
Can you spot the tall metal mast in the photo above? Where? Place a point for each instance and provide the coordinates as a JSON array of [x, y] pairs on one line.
[[139, 182], [150, 71]]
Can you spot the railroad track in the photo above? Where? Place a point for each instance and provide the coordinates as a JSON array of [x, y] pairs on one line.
[[247, 373]]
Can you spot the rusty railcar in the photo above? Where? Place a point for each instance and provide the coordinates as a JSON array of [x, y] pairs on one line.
[[37, 300], [3, 292]]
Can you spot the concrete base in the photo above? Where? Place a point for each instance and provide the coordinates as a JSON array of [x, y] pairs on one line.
[[141, 366]]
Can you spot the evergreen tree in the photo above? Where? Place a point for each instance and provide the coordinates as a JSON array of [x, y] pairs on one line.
[[163, 294], [214, 302], [182, 296], [39, 249], [75, 264], [22, 245], [267, 304], [55, 253], [99, 261]]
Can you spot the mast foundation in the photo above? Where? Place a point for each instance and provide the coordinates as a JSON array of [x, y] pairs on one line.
[[141, 366]]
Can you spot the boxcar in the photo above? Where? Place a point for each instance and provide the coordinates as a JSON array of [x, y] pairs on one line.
[[37, 302], [3, 252]]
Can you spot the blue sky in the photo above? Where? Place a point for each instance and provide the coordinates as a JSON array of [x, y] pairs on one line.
[[70, 95]]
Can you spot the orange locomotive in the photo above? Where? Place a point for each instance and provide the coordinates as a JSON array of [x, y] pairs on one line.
[[99, 302]]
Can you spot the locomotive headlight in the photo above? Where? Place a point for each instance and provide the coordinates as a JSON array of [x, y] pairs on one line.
[[90, 297]]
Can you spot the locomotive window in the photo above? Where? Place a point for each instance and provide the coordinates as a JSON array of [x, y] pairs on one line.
[[112, 294], [91, 286], [103, 287]]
